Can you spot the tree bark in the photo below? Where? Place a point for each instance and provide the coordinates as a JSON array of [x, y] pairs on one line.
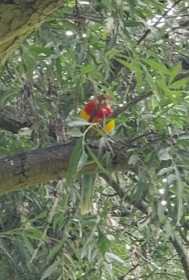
[[9, 121], [182, 253], [19, 18], [35, 167]]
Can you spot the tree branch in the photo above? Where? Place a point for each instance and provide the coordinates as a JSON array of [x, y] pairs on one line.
[[20, 19], [35, 167], [182, 253]]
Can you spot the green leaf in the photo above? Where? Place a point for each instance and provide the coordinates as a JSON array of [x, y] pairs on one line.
[[158, 66], [34, 233], [174, 70], [134, 158], [165, 170], [103, 242], [78, 123], [164, 154], [73, 162], [149, 78], [179, 84], [124, 63], [111, 257], [83, 160], [55, 250], [180, 191], [50, 270], [87, 189]]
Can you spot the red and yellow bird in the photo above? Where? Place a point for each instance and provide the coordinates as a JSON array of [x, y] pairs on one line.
[[98, 110]]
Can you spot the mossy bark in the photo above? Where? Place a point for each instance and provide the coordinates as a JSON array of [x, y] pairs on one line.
[[35, 167], [20, 19]]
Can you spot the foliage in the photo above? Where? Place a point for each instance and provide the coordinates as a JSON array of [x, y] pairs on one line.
[[126, 49]]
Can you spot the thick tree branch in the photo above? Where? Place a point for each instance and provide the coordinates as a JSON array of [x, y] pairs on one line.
[[35, 167], [20, 19], [39, 167]]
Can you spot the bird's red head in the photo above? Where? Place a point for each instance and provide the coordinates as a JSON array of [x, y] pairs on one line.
[[98, 108]]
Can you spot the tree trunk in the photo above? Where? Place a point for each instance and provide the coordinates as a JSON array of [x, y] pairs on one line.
[[19, 19]]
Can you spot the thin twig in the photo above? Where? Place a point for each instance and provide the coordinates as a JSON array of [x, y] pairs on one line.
[[148, 31], [141, 136], [130, 270]]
